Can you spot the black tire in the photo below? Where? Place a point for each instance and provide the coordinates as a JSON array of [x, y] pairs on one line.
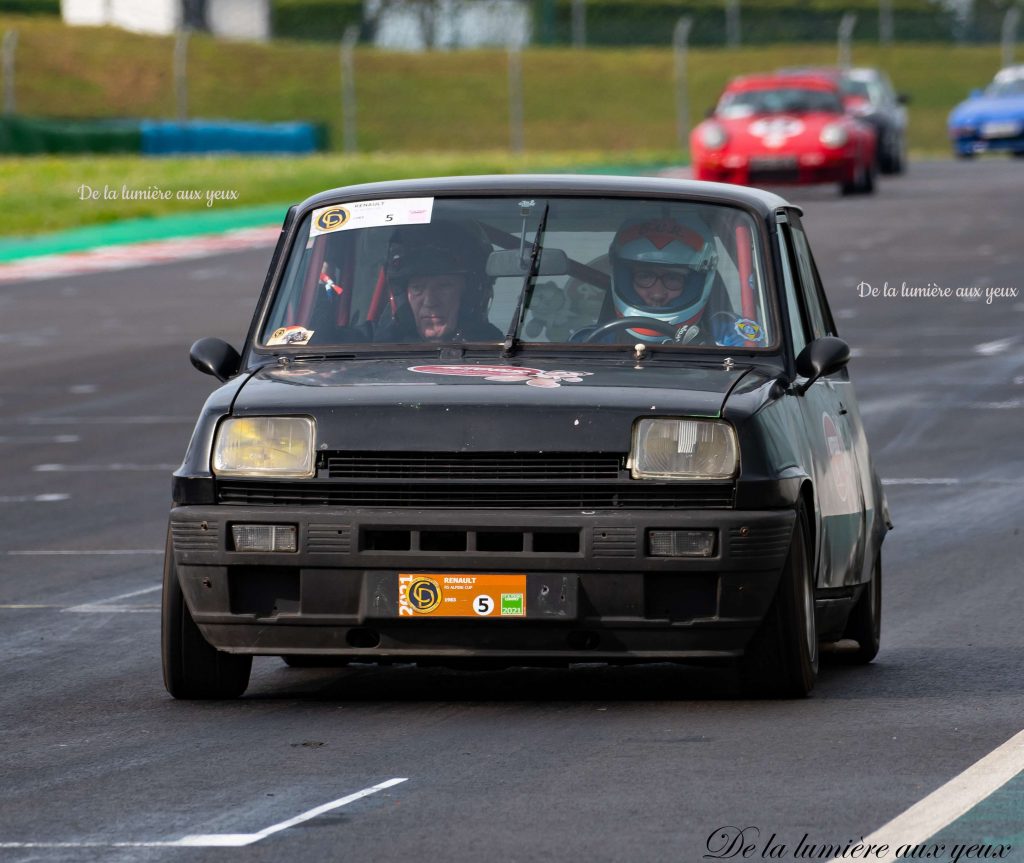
[[887, 157], [858, 184], [865, 622], [868, 185], [960, 154], [781, 660], [193, 669]]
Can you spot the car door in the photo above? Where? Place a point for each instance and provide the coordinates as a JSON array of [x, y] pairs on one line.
[[832, 420]]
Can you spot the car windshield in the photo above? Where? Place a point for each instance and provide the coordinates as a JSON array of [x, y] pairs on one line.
[[514, 271], [1001, 89], [779, 100]]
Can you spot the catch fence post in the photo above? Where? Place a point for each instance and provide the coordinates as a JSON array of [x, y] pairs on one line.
[[515, 98], [579, 23], [732, 23], [181, 72], [348, 89], [8, 48], [1009, 34], [845, 37], [680, 45]]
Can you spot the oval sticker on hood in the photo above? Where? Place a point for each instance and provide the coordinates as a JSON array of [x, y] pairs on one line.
[[507, 374]]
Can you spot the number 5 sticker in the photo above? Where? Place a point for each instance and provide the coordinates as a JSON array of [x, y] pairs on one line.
[[483, 605]]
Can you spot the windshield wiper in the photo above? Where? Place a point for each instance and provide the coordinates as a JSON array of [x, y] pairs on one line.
[[511, 337]]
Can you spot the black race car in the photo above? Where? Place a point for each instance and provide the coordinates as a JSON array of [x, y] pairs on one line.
[[528, 420]]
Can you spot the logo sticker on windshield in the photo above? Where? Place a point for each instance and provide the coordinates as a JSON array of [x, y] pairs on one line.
[[371, 214], [294, 335], [507, 374]]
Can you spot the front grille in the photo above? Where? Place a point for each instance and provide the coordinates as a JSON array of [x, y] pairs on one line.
[[774, 175], [438, 467], [477, 495]]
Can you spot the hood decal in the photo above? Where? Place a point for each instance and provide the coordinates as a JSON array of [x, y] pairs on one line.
[[507, 374]]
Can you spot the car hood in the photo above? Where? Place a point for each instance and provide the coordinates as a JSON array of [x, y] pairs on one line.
[[578, 406], [979, 110], [775, 132]]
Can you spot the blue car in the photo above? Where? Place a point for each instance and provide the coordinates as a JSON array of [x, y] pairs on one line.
[[991, 120]]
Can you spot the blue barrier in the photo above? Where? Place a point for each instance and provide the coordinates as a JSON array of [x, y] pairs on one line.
[[164, 138]]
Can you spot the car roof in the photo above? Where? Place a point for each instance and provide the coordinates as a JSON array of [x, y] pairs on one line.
[[812, 80], [552, 185], [1009, 73]]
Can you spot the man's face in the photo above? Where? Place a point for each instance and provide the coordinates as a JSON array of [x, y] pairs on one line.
[[659, 286], [434, 301]]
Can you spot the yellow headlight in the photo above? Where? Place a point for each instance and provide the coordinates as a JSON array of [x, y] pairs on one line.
[[265, 446]]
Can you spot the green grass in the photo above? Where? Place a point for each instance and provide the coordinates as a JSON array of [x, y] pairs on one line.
[[582, 108], [42, 193]]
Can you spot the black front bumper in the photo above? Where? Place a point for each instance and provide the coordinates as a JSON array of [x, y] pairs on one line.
[[593, 591]]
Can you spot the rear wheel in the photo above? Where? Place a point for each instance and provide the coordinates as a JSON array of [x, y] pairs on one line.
[[781, 660], [865, 622], [193, 668]]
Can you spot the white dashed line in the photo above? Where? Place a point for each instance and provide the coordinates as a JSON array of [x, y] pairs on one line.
[[33, 498], [103, 468], [60, 438], [922, 481], [72, 551], [989, 349], [943, 806], [101, 605], [75, 421], [221, 840]]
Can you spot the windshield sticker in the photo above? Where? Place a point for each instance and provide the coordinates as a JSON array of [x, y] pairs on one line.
[[508, 374], [371, 214], [750, 330], [293, 335]]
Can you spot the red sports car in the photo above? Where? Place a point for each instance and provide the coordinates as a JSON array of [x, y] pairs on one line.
[[792, 129]]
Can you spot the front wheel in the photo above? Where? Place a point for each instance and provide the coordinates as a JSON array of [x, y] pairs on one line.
[[193, 669], [781, 660]]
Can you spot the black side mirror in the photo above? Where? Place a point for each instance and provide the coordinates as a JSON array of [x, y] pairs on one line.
[[821, 358], [710, 112], [215, 357], [903, 98]]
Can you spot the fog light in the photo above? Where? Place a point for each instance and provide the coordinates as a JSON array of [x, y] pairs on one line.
[[264, 537], [681, 543]]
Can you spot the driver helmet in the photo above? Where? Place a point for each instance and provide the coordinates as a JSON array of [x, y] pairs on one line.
[[438, 249], [684, 248]]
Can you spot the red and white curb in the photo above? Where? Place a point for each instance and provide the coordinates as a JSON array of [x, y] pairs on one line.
[[122, 257]]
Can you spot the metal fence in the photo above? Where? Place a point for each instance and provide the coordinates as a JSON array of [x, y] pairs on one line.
[[454, 24]]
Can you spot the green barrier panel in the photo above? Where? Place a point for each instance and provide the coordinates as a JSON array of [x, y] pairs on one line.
[[26, 135]]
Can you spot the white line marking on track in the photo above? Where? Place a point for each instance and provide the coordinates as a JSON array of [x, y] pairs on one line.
[[920, 480], [77, 421], [988, 349], [91, 468], [60, 438], [68, 551], [220, 840], [33, 498], [944, 805], [104, 605]]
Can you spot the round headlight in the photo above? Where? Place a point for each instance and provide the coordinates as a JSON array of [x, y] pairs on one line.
[[834, 135], [712, 136]]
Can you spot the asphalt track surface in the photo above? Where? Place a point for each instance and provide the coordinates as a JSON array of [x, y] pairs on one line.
[[639, 764]]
